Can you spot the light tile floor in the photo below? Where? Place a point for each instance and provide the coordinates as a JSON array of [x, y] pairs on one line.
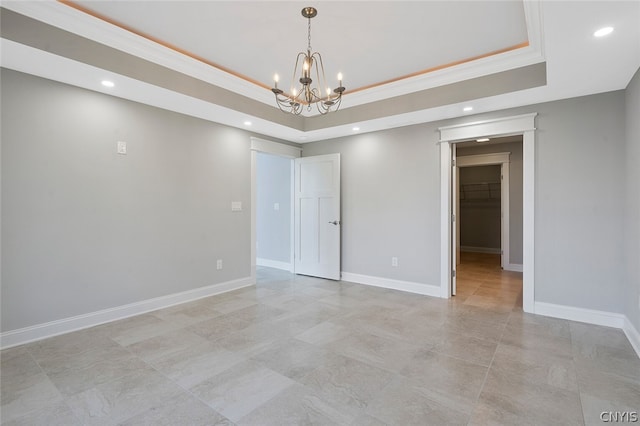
[[299, 350]]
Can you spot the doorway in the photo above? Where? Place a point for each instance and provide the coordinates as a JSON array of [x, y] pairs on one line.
[[274, 211], [286, 153], [523, 125]]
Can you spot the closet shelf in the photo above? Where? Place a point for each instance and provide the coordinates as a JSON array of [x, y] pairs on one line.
[[480, 191]]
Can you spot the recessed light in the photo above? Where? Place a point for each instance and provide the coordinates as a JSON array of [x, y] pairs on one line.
[[247, 123], [304, 138], [603, 32], [467, 108], [107, 83], [355, 129], [482, 140]]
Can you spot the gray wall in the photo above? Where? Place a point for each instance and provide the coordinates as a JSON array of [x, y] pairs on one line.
[[273, 227], [515, 191], [85, 229], [391, 203], [632, 197], [480, 216]]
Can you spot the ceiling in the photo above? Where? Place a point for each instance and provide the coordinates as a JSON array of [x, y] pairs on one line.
[[403, 62]]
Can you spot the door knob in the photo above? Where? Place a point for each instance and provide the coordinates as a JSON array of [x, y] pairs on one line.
[[335, 222]]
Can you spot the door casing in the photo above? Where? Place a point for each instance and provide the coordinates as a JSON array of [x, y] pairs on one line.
[[506, 126]]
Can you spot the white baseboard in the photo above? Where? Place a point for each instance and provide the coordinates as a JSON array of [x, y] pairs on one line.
[[590, 316], [42, 331], [480, 250], [408, 286], [274, 264], [632, 334], [514, 267]]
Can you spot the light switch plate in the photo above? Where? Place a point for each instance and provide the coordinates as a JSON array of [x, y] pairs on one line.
[[122, 148], [276, 206], [236, 206]]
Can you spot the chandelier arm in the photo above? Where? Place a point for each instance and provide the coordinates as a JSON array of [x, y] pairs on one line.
[[321, 76]]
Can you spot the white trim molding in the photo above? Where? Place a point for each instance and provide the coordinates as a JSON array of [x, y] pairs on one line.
[[514, 267], [408, 286], [21, 336], [285, 266], [632, 334], [591, 316], [505, 126]]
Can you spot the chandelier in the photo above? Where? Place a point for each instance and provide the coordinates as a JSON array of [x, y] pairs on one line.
[[313, 88]]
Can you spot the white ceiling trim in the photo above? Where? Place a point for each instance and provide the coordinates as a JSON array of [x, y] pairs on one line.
[[529, 55], [43, 64], [85, 25], [92, 28]]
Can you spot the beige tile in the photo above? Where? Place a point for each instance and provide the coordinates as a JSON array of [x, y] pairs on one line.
[[292, 358], [471, 327], [166, 345], [74, 380], [520, 401], [16, 365], [450, 382], [345, 381], [121, 399], [403, 402], [477, 351], [382, 352], [323, 333], [594, 409], [329, 352], [241, 389], [195, 364], [56, 415], [531, 339], [219, 327], [298, 405], [535, 367], [180, 410], [136, 329], [609, 387], [19, 398], [188, 313]]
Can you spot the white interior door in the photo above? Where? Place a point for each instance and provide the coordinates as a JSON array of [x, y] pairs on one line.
[[455, 228], [317, 216]]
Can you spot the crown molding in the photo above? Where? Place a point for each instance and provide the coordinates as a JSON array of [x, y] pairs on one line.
[[85, 25]]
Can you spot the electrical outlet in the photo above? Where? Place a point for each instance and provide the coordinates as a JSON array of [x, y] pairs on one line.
[[394, 261], [219, 264]]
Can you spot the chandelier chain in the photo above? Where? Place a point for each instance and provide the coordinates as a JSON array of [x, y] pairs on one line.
[[309, 34]]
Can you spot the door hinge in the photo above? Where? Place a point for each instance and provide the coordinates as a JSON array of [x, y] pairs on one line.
[[453, 218], [453, 163], [453, 273]]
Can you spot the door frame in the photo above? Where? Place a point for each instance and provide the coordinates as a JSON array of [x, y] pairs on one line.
[[501, 159], [281, 150], [506, 126]]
